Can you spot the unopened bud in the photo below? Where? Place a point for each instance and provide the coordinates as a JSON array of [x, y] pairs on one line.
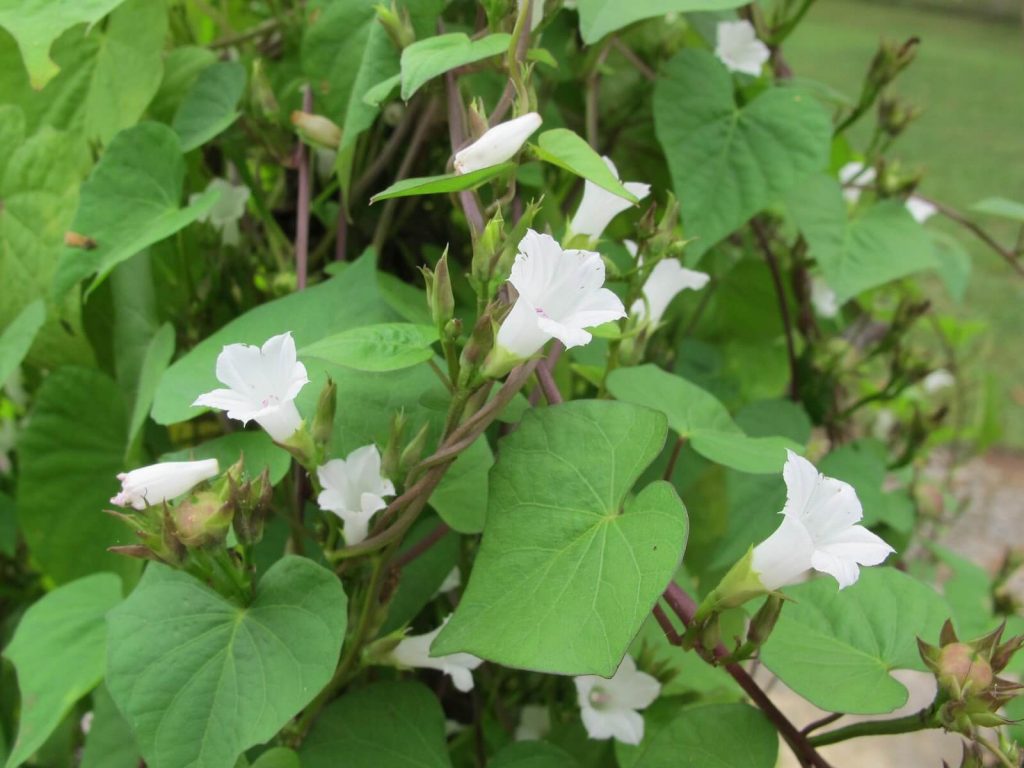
[[414, 450], [397, 24], [316, 130], [891, 59], [497, 145], [961, 667], [442, 300], [202, 520], [485, 252], [251, 503], [763, 623], [476, 117], [391, 458], [478, 348], [323, 421]]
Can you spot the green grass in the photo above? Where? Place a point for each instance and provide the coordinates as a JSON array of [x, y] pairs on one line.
[[969, 78]]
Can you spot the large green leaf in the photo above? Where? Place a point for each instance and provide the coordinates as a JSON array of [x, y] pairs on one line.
[[398, 725], [532, 754], [422, 577], [568, 150], [155, 359], [600, 17], [17, 338], [211, 104], [201, 679], [707, 736], [570, 565], [59, 652], [69, 456], [729, 162], [426, 59], [35, 24], [461, 497], [837, 650], [383, 347], [347, 301], [109, 743], [880, 243], [696, 415], [438, 185], [130, 201]]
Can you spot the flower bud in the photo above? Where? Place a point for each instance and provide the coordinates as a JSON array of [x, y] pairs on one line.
[[486, 249], [323, 421], [203, 520], [251, 502], [414, 450], [441, 298], [890, 60], [316, 130], [961, 667], [497, 145], [397, 24], [391, 458], [763, 623]]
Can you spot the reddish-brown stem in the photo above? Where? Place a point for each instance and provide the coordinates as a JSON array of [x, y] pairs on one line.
[[666, 625], [457, 136], [302, 158], [670, 468], [548, 386], [423, 545], [773, 266], [549, 362]]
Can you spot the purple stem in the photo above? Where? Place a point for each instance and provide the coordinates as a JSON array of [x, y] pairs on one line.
[[302, 208]]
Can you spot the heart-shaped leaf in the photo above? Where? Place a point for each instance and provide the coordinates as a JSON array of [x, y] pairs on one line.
[[201, 679], [569, 567], [210, 106], [532, 754], [837, 650], [384, 347], [729, 162], [426, 59], [600, 17]]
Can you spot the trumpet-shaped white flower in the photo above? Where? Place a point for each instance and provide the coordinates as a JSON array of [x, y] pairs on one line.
[[739, 49], [157, 483], [609, 707], [560, 294], [354, 490], [857, 174], [414, 651], [599, 206], [498, 144], [262, 385], [668, 279], [938, 380], [819, 530], [534, 723], [823, 298], [228, 209], [920, 209]]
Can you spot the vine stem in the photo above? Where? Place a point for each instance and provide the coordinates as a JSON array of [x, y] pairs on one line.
[[951, 213], [685, 608], [918, 721], [773, 266], [302, 158], [457, 136]]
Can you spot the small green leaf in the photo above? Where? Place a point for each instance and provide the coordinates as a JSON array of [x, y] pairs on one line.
[[382, 90], [570, 564], [567, 150], [601, 17], [384, 347], [532, 754], [837, 650], [436, 185], [729, 162], [393, 724], [1001, 207], [704, 736], [426, 59], [17, 337], [59, 651], [201, 679], [35, 24], [211, 104], [256, 447], [131, 200]]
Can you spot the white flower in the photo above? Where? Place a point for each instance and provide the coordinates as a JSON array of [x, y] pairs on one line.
[[560, 294], [920, 209], [86, 722], [938, 380], [739, 49], [354, 490], [667, 279], [157, 483], [823, 298], [498, 144], [262, 385], [599, 206], [609, 707], [534, 723], [819, 530], [452, 581], [415, 652], [228, 209], [855, 174]]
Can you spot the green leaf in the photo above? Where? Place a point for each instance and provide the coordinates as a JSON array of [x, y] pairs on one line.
[[708, 736], [182, 67], [879, 244], [400, 725], [278, 757], [565, 149], [130, 201], [17, 338], [837, 650], [109, 743], [570, 567], [600, 17], [1001, 207], [211, 104], [532, 754], [201, 679], [58, 651], [696, 415], [952, 262], [461, 497], [155, 360], [436, 185], [862, 464], [968, 591], [256, 447], [69, 457], [426, 59], [8, 526], [423, 576], [384, 347], [35, 24], [346, 301], [729, 162]]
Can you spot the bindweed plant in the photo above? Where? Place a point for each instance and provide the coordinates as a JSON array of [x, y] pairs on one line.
[[454, 383]]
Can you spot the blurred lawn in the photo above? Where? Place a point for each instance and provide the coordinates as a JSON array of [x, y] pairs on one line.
[[969, 77]]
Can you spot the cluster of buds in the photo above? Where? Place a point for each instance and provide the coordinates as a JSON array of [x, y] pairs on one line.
[[970, 692], [891, 59]]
